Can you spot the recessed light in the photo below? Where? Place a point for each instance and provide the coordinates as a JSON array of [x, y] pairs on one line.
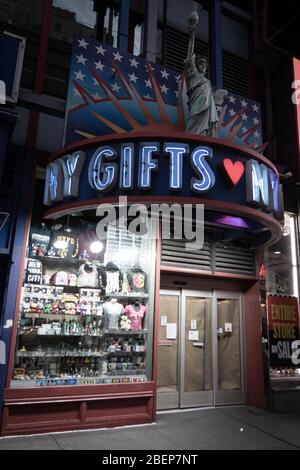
[[96, 247]]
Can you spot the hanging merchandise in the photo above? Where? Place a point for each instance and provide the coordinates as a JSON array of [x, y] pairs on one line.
[[112, 311], [110, 279], [61, 278], [63, 245], [73, 279], [135, 313], [39, 239], [125, 283], [137, 279], [34, 272], [88, 275]]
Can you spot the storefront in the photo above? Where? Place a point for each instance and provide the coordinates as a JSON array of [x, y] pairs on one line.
[[108, 328]]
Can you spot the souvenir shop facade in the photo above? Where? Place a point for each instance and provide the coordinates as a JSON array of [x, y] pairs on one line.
[[108, 329], [103, 331]]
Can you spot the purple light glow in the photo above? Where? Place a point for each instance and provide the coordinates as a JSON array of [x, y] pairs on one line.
[[232, 221]]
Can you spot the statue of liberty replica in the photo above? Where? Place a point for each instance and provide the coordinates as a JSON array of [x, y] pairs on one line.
[[203, 114]]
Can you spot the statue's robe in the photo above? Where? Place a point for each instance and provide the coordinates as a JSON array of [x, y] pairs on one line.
[[203, 115]]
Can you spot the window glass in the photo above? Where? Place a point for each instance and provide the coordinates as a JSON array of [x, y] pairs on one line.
[[281, 262], [279, 282], [68, 20], [23, 18], [86, 311]]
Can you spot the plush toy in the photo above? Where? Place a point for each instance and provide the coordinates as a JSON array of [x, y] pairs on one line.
[[47, 308], [125, 323], [55, 308], [26, 305]]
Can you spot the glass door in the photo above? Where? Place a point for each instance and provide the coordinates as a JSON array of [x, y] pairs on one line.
[[168, 351], [228, 341], [200, 349], [196, 350]]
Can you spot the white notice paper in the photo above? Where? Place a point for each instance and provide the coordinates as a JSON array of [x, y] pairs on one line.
[[171, 331], [163, 320], [193, 324], [193, 335]]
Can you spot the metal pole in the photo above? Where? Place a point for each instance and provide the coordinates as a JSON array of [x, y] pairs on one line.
[[151, 30], [123, 25], [215, 41]]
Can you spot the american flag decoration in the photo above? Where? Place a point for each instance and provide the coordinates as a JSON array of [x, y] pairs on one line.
[[113, 92]]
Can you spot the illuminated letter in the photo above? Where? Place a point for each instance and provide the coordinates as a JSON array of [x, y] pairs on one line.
[[202, 168], [274, 199], [127, 167], [72, 167], [103, 175], [176, 153], [54, 183], [147, 164], [258, 184]]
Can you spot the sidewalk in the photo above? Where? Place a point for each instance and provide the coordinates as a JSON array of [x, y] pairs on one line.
[[218, 428]]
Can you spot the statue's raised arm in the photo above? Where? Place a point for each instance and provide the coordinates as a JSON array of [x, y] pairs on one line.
[[203, 115], [193, 21]]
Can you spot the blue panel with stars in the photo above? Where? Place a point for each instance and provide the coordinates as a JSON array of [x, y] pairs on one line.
[[113, 92]]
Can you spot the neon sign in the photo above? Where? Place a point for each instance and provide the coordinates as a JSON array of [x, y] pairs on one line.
[[139, 168]]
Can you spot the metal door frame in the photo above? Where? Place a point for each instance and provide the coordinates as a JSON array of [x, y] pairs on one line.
[[182, 399], [171, 400], [227, 397], [201, 398]]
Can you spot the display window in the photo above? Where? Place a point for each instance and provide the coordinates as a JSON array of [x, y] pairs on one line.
[[86, 309], [279, 293]]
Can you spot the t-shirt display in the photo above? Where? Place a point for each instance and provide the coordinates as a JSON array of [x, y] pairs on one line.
[[81, 321], [112, 311], [137, 279], [63, 245], [110, 278], [135, 313]]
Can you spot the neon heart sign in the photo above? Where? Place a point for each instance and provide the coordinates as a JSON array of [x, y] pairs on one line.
[[234, 170]]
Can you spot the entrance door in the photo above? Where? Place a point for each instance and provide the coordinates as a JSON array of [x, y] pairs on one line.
[[199, 350], [228, 370]]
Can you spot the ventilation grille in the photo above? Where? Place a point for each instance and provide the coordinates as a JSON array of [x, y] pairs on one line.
[[236, 71], [233, 259], [213, 257], [174, 253], [126, 250]]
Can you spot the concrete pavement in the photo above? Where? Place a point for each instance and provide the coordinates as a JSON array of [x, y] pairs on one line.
[[210, 429]]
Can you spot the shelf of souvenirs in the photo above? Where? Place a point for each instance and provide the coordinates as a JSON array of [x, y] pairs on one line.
[[98, 354], [37, 290], [34, 331], [55, 316], [58, 259]]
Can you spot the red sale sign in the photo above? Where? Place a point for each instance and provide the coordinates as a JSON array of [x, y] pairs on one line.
[[283, 325]]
